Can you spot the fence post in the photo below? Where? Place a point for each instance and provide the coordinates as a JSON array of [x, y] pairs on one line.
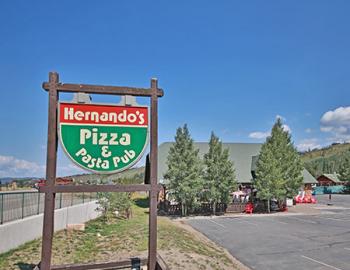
[[38, 210], [22, 205], [61, 200], [71, 203], [2, 209]]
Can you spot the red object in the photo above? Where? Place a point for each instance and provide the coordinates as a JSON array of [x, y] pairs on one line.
[[249, 207], [284, 208], [306, 199], [40, 183], [298, 199], [59, 181], [103, 114]]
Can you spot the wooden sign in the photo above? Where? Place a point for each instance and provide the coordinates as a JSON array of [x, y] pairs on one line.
[[103, 138]]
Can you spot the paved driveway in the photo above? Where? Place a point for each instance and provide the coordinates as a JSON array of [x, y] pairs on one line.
[[303, 242]]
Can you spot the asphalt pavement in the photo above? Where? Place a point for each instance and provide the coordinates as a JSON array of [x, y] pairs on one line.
[[286, 242]]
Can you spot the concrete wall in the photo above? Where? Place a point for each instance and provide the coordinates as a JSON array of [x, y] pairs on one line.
[[15, 233]]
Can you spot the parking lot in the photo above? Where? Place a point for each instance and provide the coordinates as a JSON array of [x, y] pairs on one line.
[[319, 241]]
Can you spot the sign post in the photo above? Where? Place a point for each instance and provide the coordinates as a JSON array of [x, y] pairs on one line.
[[103, 139]]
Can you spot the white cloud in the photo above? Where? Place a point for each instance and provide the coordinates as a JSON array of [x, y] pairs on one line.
[[287, 128], [264, 134], [69, 169], [308, 144], [280, 117], [13, 167], [337, 122], [259, 135], [308, 130]]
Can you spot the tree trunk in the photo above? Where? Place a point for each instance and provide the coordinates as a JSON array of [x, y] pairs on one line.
[[214, 208], [268, 206], [282, 203], [128, 213], [182, 209]]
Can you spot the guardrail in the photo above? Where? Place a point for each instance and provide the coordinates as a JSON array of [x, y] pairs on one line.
[[18, 205]]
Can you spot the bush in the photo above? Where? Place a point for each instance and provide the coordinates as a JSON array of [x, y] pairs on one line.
[[114, 204]]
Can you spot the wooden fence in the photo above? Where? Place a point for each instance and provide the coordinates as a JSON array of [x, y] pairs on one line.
[[204, 209], [236, 207]]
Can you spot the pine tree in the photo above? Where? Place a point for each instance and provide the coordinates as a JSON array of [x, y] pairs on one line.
[[279, 168], [219, 176], [184, 171], [344, 169]]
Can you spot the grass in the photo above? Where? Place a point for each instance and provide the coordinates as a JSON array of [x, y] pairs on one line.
[[122, 238]]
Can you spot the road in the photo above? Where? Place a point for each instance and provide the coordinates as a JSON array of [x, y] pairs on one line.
[[287, 242]]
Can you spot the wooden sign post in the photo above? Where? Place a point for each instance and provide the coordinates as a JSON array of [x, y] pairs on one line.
[[104, 163]]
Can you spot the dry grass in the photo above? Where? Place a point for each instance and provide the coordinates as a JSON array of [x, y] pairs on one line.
[[120, 239]]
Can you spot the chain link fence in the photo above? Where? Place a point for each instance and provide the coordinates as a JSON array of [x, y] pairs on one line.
[[18, 205]]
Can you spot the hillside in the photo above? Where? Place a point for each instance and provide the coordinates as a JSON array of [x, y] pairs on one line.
[[136, 174], [5, 180], [325, 160], [329, 151]]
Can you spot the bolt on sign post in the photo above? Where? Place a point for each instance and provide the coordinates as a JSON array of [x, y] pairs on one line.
[[104, 139]]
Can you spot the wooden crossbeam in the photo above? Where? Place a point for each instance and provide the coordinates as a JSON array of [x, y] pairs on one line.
[[98, 188], [133, 262], [103, 89]]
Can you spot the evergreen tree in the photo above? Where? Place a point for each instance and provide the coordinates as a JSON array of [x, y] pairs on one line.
[[344, 169], [279, 168], [219, 176], [184, 171]]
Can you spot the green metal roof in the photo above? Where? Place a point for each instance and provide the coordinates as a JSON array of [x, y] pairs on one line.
[[240, 153], [333, 177], [243, 155], [308, 178]]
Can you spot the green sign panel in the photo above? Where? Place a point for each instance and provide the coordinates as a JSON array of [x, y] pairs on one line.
[[103, 138]]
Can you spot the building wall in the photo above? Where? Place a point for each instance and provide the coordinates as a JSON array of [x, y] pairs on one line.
[[16, 233], [324, 181]]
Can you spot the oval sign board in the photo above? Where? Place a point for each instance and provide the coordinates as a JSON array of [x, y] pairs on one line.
[[103, 138]]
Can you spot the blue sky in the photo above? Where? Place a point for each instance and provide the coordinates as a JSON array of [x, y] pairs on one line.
[[227, 66]]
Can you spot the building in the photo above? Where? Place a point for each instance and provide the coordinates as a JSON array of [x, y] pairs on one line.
[[330, 179], [243, 155]]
